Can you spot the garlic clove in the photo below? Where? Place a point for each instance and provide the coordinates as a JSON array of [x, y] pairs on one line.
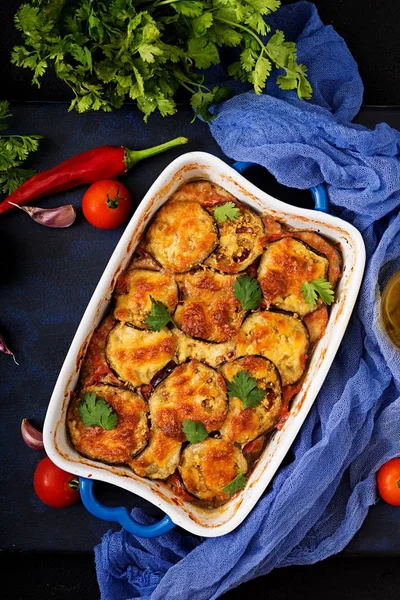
[[5, 349], [31, 436], [62, 216]]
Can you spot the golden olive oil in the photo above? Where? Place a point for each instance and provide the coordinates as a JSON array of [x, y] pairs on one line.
[[390, 308]]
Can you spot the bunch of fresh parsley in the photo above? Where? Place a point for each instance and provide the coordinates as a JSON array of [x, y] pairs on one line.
[[14, 150], [145, 50]]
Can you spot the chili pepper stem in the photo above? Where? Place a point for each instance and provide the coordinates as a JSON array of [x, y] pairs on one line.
[[133, 156]]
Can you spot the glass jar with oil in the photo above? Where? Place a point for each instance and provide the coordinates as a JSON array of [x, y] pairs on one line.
[[390, 308]]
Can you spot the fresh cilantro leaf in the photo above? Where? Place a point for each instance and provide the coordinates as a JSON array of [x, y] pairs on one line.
[[14, 150], [158, 317], [260, 73], [97, 49], [245, 388], [226, 211], [95, 411], [194, 430], [239, 483], [203, 52], [247, 291], [310, 290]]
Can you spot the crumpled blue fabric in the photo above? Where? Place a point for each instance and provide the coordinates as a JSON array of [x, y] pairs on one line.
[[315, 504]]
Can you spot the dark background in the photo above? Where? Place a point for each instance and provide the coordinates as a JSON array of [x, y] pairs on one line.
[[371, 30]]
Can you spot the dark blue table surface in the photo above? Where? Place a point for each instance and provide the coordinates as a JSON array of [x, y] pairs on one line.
[[47, 277]]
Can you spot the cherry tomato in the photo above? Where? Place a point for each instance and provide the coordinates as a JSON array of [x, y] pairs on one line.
[[54, 486], [106, 204], [388, 480]]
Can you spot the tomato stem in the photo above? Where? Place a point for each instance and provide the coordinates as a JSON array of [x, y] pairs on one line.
[[113, 202], [398, 483], [74, 484]]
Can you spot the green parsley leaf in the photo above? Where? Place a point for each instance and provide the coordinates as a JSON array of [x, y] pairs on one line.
[[226, 211], [247, 291], [158, 317], [194, 430], [14, 150], [239, 483], [95, 47], [245, 388], [310, 290], [94, 410]]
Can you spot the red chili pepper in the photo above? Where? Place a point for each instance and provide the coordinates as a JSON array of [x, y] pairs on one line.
[[105, 162]]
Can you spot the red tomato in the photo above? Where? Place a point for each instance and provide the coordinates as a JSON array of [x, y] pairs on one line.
[[388, 480], [106, 204], [54, 486]]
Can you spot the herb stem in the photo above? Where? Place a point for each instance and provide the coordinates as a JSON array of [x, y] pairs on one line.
[[243, 28]]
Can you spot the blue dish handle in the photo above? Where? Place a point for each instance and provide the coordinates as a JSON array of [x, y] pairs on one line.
[[318, 192], [119, 514]]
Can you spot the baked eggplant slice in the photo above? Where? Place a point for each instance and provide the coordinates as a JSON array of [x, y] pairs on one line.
[[181, 236], [285, 265], [208, 352], [316, 323], [207, 467], [282, 338], [94, 367], [204, 192], [241, 241], [276, 231], [321, 245], [125, 440], [192, 391], [160, 458], [136, 355], [242, 425], [133, 291], [208, 308]]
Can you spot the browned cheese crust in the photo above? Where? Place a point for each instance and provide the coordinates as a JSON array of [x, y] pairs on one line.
[[137, 355], [241, 241], [276, 231], [208, 352], [244, 425], [94, 367], [192, 391], [204, 192], [208, 308], [134, 288], [207, 467], [280, 337], [119, 444], [181, 236], [160, 459], [284, 267]]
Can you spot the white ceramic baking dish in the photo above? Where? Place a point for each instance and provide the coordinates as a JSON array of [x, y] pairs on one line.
[[212, 522]]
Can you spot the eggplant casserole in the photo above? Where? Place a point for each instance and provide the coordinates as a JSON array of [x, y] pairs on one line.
[[206, 342]]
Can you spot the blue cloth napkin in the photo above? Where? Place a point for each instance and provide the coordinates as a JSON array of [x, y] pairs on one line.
[[316, 503]]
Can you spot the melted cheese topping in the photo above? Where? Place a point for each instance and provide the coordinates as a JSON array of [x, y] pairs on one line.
[[206, 468], [116, 445], [244, 425], [281, 338], [134, 289], [181, 236], [192, 391], [160, 459], [285, 266], [208, 308], [137, 355], [207, 352], [208, 194], [241, 241]]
